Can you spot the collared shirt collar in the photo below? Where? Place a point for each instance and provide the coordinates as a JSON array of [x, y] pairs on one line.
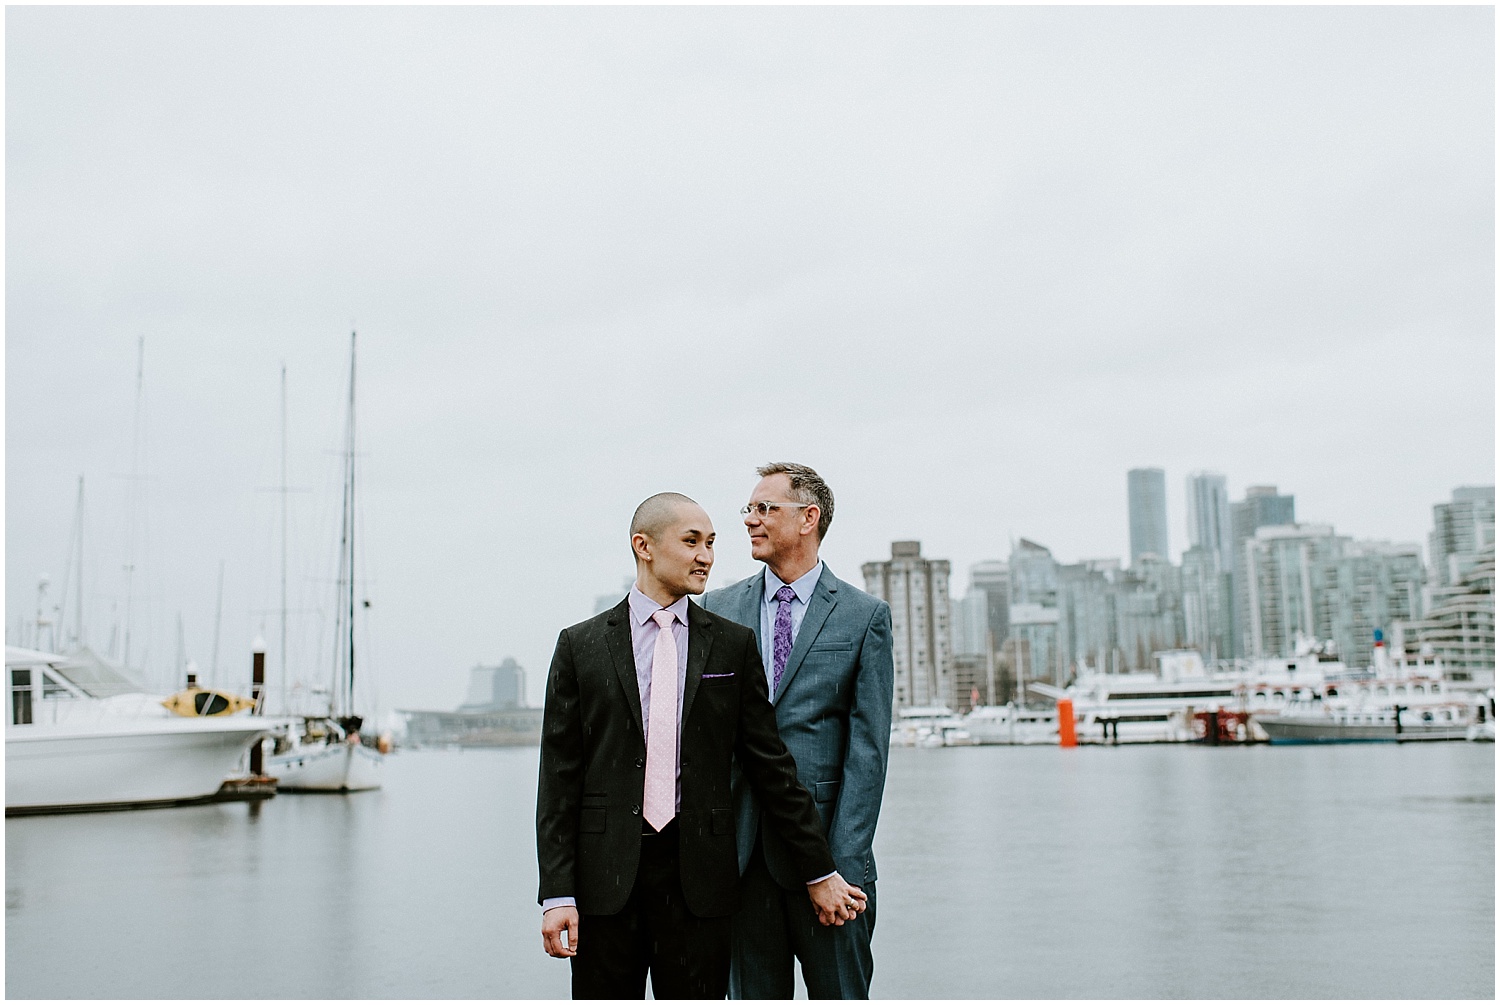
[[803, 587], [642, 607]]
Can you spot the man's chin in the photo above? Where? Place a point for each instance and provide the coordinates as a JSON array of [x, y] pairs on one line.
[[695, 586]]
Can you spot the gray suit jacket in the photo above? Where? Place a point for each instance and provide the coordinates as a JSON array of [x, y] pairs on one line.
[[834, 713]]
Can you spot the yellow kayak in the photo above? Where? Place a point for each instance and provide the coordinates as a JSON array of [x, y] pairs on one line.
[[196, 701]]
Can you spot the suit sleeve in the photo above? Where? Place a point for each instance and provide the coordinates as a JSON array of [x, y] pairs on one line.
[[559, 790], [786, 806], [853, 830]]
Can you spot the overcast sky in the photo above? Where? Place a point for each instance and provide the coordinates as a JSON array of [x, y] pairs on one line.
[[971, 264]]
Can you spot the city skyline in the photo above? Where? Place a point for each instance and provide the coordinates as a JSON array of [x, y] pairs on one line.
[[971, 264]]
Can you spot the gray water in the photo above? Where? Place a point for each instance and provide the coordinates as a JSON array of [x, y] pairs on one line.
[[1146, 872]]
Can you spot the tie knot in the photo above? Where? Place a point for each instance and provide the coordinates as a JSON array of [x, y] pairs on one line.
[[663, 618], [786, 594]]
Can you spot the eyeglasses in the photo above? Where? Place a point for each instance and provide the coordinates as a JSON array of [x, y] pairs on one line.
[[767, 508]]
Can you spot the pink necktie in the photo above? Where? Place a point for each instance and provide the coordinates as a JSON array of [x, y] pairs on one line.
[[661, 732]]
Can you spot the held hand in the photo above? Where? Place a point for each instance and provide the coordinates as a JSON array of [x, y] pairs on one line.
[[836, 901], [555, 924]]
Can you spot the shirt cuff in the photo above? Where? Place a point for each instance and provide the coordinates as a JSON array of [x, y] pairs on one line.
[[815, 882], [552, 902]]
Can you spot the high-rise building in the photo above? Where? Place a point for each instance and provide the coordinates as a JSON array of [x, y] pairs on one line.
[[917, 590], [1032, 646], [1370, 586], [993, 577], [1033, 575], [1461, 531], [1280, 571], [1459, 626], [970, 623], [1086, 613], [1308, 583], [1148, 612], [494, 688], [1261, 507], [1208, 521], [1207, 604], [1147, 496]]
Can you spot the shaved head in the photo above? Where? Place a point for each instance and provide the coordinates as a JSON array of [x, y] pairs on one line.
[[657, 513], [672, 540]]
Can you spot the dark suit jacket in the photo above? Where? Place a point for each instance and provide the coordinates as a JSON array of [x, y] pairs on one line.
[[834, 712], [593, 767]]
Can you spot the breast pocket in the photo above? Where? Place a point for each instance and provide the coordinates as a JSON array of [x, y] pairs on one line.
[[831, 646]]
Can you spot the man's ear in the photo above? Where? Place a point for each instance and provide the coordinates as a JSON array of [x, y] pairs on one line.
[[641, 545], [810, 517]]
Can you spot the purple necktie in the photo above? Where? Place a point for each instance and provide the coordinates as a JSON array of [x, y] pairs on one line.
[[781, 636]]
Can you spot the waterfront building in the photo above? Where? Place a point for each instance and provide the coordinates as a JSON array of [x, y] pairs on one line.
[[993, 577], [1262, 506], [1369, 586], [1033, 575], [1086, 613], [1208, 520], [1279, 568], [1459, 627], [1305, 581], [495, 687], [1462, 531], [1147, 500], [917, 590], [1148, 612], [1032, 646], [494, 713], [976, 681], [1207, 604], [970, 621]]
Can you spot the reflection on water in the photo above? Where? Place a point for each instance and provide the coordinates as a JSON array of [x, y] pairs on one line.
[[1150, 872]]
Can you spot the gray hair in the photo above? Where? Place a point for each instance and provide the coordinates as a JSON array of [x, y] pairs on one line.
[[807, 487]]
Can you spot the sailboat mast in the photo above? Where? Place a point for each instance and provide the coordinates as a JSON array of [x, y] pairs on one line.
[[283, 699], [349, 517], [79, 586], [135, 475]]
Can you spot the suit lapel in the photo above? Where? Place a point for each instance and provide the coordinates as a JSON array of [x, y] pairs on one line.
[[700, 644], [750, 601], [622, 654], [824, 598]]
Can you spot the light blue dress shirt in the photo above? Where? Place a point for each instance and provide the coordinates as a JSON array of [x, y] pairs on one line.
[[803, 588]]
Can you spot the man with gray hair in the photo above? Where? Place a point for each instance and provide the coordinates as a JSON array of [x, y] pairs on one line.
[[649, 705], [826, 649]]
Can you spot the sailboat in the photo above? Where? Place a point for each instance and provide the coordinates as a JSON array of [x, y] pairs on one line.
[[328, 753]]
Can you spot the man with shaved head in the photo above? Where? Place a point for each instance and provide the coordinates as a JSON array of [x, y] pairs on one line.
[[647, 706]]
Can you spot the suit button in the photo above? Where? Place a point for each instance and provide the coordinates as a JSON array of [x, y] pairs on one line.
[[640, 762], [635, 810], [684, 762]]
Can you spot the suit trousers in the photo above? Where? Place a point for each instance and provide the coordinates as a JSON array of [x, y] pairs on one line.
[[774, 925], [686, 956]]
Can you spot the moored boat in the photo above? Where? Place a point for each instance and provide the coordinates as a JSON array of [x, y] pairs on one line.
[[81, 737]]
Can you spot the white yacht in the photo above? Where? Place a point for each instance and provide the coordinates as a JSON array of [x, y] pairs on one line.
[[1010, 724], [929, 726], [81, 735]]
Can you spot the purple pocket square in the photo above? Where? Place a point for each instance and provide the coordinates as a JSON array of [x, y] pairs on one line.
[[711, 676]]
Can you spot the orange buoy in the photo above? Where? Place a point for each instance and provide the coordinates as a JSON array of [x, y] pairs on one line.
[[1067, 734]]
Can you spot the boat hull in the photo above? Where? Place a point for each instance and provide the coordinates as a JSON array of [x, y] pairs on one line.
[[56, 768], [1288, 730], [332, 767]]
